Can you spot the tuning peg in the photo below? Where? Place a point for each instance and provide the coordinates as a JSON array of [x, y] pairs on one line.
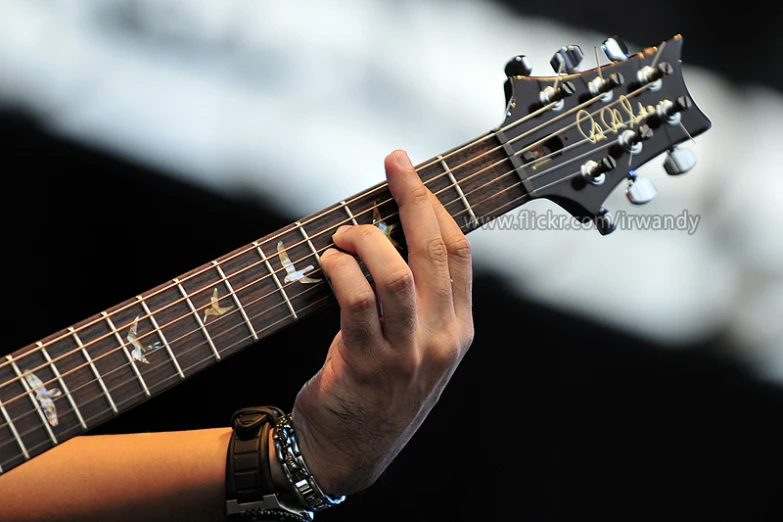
[[670, 111], [631, 140], [567, 59], [594, 172], [640, 190], [679, 160], [519, 66], [604, 222], [615, 49]]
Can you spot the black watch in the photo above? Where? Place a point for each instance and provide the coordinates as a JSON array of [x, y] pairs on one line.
[[250, 493]]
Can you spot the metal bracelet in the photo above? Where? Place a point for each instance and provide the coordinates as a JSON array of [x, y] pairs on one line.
[[287, 451]]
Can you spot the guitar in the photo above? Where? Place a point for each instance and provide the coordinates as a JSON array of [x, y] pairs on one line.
[[570, 138]]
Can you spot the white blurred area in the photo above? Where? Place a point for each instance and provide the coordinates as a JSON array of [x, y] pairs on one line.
[[300, 102]]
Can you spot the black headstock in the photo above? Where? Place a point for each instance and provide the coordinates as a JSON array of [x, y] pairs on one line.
[[575, 136]]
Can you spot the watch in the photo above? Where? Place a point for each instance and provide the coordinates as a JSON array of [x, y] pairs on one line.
[[250, 493]]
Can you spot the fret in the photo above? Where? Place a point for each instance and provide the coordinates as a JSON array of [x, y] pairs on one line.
[[33, 401], [487, 176], [64, 386], [309, 243], [176, 322], [11, 425], [236, 299], [124, 349], [348, 211], [276, 279], [458, 188], [513, 157], [162, 336], [94, 369], [255, 287], [212, 297], [144, 362], [198, 320]]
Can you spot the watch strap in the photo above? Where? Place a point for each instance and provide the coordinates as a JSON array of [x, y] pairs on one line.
[[250, 493]]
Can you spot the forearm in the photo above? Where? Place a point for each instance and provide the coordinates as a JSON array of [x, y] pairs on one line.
[[150, 476]]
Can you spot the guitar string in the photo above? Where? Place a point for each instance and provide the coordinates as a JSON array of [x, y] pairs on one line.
[[226, 349], [440, 158], [224, 332], [463, 199], [381, 186], [321, 214], [77, 427], [234, 292], [238, 289]]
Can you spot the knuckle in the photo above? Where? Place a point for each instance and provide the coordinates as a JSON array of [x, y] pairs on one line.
[[367, 232], [461, 248], [444, 349], [360, 302], [445, 358], [400, 281], [435, 249], [420, 195]]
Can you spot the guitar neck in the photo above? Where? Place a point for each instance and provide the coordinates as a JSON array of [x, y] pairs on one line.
[[84, 375]]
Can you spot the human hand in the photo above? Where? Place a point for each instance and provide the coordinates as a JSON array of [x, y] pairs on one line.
[[383, 375]]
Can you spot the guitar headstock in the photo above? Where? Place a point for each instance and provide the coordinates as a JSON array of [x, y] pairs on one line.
[[575, 136]]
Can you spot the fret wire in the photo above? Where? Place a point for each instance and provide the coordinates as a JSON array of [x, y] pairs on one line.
[[314, 250], [457, 188], [381, 186], [271, 270], [451, 153], [127, 399], [201, 325], [162, 336], [320, 215], [309, 243], [127, 354], [277, 281], [13, 430], [348, 211], [62, 384], [94, 369], [236, 299], [33, 400]]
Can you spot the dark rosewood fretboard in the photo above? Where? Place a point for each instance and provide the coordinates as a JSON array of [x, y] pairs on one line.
[[92, 365]]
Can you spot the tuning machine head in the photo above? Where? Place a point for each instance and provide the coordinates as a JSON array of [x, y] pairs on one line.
[[640, 191], [567, 59], [604, 222], [679, 160], [615, 49], [519, 66]]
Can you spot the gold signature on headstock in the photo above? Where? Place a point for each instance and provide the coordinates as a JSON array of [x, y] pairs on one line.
[[595, 127]]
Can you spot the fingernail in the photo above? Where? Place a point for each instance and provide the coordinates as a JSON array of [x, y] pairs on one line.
[[328, 252], [341, 229], [403, 160]]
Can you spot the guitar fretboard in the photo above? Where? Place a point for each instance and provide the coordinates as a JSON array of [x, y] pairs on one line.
[[80, 377]]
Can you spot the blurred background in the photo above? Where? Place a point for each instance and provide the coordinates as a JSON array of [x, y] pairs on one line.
[[637, 376]]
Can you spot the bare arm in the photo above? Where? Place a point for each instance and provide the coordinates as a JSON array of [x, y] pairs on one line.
[[147, 476], [384, 372]]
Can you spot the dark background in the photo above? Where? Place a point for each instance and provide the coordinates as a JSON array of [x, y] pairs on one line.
[[549, 418]]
